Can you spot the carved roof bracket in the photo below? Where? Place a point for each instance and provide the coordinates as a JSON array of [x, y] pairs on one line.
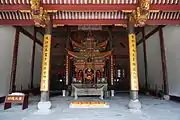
[[39, 15], [139, 16]]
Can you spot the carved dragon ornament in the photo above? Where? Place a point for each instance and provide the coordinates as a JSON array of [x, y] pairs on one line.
[[140, 15], [39, 15]]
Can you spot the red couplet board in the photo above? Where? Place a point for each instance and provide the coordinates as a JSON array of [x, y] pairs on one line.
[[23, 99]]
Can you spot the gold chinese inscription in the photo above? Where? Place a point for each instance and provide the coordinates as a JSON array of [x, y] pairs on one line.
[[67, 69], [112, 75], [133, 62], [15, 98], [45, 63]]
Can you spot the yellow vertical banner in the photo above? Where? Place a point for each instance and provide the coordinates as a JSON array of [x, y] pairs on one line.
[[112, 70], [45, 63], [133, 62], [67, 69]]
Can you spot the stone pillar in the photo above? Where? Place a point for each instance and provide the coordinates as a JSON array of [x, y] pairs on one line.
[[44, 103], [134, 102]]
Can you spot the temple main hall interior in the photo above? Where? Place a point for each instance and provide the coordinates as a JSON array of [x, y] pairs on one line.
[[89, 59]]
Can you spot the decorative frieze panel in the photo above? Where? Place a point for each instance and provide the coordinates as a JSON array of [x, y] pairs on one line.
[[90, 15], [15, 16], [89, 1], [164, 16], [12, 2], [164, 1]]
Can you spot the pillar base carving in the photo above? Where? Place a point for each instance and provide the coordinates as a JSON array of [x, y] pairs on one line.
[[134, 104], [166, 97], [44, 106]]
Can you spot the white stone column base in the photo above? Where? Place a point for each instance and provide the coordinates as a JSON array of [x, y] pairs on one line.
[[63, 93], [166, 97], [44, 106], [112, 93], [134, 104]]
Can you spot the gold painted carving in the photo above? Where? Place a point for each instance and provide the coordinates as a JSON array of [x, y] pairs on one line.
[[133, 62], [39, 15], [123, 25], [25, 11], [35, 4], [140, 15], [155, 11], [51, 11], [127, 11], [57, 25]]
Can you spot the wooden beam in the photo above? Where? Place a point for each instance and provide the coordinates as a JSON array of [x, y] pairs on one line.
[[25, 32], [75, 7], [149, 34], [163, 22], [17, 22], [166, 7], [14, 7], [75, 28], [90, 7], [145, 59], [163, 59], [90, 22], [87, 22], [12, 87]]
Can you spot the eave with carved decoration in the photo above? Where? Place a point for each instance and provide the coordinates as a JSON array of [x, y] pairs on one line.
[[89, 12]]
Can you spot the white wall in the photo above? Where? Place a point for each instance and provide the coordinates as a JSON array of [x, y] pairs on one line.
[[7, 34], [24, 63], [155, 79], [154, 67], [172, 46], [37, 66], [141, 70], [6, 52], [38, 57], [140, 60], [23, 72]]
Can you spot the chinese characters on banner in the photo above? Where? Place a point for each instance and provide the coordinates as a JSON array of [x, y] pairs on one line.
[[22, 99], [15, 98], [112, 75], [45, 63], [67, 69], [133, 62]]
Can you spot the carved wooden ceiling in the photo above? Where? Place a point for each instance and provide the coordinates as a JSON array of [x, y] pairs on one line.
[[83, 12], [26, 2]]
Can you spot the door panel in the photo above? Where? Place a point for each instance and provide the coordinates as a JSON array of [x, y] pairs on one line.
[[122, 81]]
